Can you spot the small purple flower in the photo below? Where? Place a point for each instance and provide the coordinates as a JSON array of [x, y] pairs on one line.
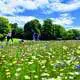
[[1, 47], [78, 66]]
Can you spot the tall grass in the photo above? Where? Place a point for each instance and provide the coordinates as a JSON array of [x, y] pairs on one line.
[[40, 60]]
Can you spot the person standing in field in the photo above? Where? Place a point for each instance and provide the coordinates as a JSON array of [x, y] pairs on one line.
[[9, 36]]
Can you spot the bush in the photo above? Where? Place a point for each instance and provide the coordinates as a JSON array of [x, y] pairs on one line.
[[2, 37]]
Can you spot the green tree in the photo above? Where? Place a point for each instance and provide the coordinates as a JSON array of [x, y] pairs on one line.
[[4, 27], [30, 27], [58, 31], [47, 29], [69, 35], [76, 33], [17, 31], [72, 34]]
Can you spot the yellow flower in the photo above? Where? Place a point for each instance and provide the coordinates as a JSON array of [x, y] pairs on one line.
[[30, 62], [78, 47], [43, 66], [71, 77], [65, 47], [76, 73], [8, 73], [36, 76], [58, 78], [7, 70], [18, 69], [33, 57], [16, 74], [43, 62], [78, 51], [14, 62], [44, 74], [27, 77], [3, 56]]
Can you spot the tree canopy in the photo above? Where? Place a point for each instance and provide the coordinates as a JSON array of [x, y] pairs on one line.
[[47, 31]]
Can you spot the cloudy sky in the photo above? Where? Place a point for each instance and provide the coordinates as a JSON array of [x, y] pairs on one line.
[[64, 12]]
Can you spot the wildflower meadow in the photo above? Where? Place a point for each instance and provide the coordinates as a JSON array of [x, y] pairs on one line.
[[40, 60]]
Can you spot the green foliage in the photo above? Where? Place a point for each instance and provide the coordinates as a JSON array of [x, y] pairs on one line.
[[30, 27], [4, 25], [58, 31], [1, 36], [72, 34], [47, 27], [17, 31], [47, 31]]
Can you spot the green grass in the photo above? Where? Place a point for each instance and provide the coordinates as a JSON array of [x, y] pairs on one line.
[[40, 60]]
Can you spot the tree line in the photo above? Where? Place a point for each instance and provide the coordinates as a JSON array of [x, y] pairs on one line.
[[47, 31]]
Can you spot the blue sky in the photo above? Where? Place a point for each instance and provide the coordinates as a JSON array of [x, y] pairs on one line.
[[63, 12]]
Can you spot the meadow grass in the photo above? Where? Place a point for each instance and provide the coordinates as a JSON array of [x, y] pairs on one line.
[[40, 60]]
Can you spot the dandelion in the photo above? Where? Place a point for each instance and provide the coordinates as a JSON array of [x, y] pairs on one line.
[[18, 69], [58, 78], [61, 74], [8, 74], [43, 62], [78, 47], [36, 76], [71, 77], [33, 71], [43, 67], [14, 62], [49, 53], [44, 74], [7, 70], [27, 77], [30, 62], [33, 57], [65, 47], [66, 77], [78, 51], [10, 64], [44, 79], [3, 56], [16, 74], [22, 59], [71, 73], [77, 73], [68, 61], [61, 69]]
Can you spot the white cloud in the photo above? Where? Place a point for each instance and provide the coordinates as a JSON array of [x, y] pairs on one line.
[[64, 20], [65, 7], [72, 27], [41, 3], [57, 5], [12, 6], [28, 4], [21, 20]]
